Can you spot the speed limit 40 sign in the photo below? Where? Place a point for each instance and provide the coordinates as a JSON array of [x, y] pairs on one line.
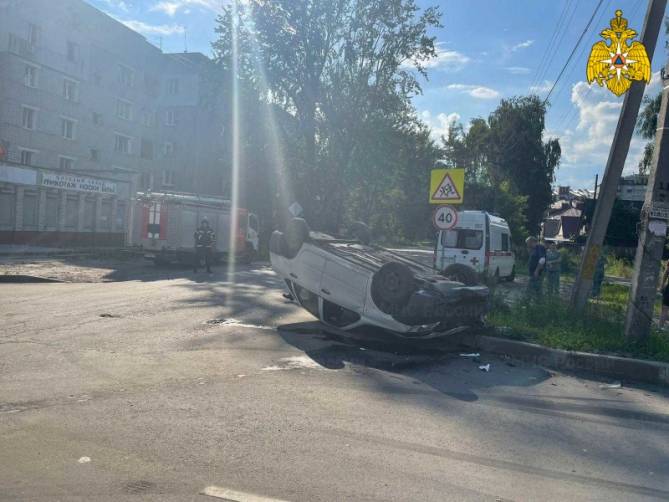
[[445, 217]]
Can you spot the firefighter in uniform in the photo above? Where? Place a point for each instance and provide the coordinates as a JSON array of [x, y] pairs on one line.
[[205, 241]]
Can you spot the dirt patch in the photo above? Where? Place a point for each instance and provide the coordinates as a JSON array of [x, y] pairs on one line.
[[84, 269]]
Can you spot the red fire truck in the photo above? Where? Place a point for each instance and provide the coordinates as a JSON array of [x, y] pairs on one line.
[[164, 224]]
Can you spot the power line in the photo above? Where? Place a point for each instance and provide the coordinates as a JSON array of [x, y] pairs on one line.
[[544, 59], [567, 118], [580, 39], [558, 41]]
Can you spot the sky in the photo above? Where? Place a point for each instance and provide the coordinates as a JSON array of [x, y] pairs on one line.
[[488, 50]]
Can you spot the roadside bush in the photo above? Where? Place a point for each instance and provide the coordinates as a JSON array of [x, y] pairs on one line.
[[570, 260], [598, 329], [619, 266]]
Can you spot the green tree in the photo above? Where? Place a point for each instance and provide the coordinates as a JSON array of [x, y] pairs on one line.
[[346, 71], [647, 124], [517, 153], [646, 127]]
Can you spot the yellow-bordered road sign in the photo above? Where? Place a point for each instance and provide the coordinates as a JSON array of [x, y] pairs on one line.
[[447, 186]]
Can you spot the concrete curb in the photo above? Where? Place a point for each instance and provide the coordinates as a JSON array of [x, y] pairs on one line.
[[621, 368]]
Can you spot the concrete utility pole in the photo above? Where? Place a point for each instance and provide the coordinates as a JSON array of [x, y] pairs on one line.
[[615, 163], [652, 230]]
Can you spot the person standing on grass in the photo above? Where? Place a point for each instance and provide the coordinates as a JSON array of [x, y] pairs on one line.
[[205, 240], [665, 296], [598, 275], [536, 264], [553, 260]]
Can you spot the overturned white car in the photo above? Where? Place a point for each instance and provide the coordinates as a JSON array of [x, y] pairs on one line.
[[350, 284]]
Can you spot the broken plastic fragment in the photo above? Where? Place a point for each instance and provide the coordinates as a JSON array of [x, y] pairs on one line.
[[485, 367], [614, 385], [473, 354], [84, 460]]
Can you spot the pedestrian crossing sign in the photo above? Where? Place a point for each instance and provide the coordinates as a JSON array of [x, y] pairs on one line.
[[447, 186]]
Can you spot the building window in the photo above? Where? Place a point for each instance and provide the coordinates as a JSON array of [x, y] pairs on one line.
[[168, 178], [70, 90], [67, 128], [126, 76], [146, 181], [148, 118], [123, 144], [168, 149], [27, 157], [124, 109], [173, 86], [95, 154], [171, 118], [66, 163], [34, 34], [29, 117], [72, 52], [151, 86], [30, 76], [97, 118], [146, 150]]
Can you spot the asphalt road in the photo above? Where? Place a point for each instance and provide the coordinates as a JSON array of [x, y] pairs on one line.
[[156, 389]]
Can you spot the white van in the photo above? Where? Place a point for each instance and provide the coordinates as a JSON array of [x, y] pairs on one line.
[[480, 241]]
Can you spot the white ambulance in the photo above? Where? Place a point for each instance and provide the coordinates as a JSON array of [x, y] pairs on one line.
[[479, 241]]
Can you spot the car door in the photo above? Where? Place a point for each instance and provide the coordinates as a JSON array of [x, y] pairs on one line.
[[344, 284], [307, 269]]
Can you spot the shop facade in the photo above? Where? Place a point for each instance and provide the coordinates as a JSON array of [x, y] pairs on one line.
[[41, 207]]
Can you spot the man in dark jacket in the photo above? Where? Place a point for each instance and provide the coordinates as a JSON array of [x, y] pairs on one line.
[[205, 241], [536, 263]]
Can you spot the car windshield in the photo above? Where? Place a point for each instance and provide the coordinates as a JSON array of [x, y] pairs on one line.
[[462, 238]]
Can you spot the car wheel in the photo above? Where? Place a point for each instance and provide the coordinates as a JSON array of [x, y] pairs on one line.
[[461, 273], [296, 234], [361, 232], [392, 285]]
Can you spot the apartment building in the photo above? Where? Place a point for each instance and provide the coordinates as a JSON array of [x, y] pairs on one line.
[[82, 94]]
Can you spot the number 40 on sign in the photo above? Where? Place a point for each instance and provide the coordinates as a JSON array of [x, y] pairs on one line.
[[445, 217]]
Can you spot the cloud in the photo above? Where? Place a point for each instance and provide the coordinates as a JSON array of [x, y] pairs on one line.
[[475, 91], [541, 88], [518, 70], [154, 29], [118, 4], [454, 60], [171, 7], [521, 45], [441, 124], [588, 144]]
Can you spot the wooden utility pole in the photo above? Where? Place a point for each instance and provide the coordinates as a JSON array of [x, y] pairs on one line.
[[652, 230], [616, 162]]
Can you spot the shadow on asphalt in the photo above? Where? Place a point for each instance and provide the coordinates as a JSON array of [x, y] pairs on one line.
[[436, 362]]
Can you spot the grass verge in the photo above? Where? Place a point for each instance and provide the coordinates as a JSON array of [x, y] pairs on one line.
[[599, 329]]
